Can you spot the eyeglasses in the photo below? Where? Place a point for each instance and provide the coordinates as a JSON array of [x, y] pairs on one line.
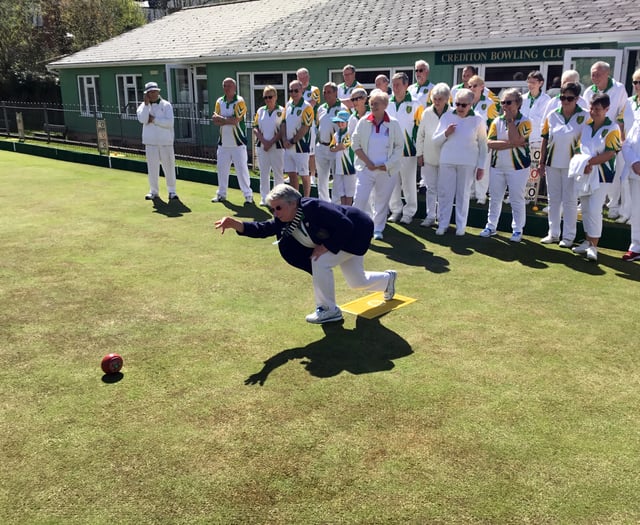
[[420, 70], [507, 102], [568, 98], [461, 104], [268, 97], [635, 82], [355, 99], [276, 208], [294, 90]]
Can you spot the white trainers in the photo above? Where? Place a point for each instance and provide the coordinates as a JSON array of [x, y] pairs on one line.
[[394, 217], [325, 315], [488, 232], [427, 223], [549, 239], [441, 231], [219, 198], [390, 290], [581, 248], [150, 196], [405, 220], [173, 197], [516, 237], [565, 243], [592, 253], [377, 236]]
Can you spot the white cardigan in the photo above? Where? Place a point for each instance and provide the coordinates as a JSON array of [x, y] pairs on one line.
[[360, 140], [467, 145], [424, 141]]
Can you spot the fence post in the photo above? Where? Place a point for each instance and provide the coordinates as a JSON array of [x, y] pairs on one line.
[[5, 117]]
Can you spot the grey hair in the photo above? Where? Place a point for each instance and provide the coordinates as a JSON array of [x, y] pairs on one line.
[[515, 93], [441, 90], [283, 192], [464, 93], [570, 75], [378, 94]]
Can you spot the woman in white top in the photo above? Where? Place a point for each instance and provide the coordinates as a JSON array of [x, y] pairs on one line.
[[510, 161], [378, 143], [631, 153], [266, 127], [560, 141], [600, 140], [487, 108], [462, 137], [534, 104], [427, 151]]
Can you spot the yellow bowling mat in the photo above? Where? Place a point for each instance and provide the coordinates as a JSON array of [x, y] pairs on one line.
[[374, 305]]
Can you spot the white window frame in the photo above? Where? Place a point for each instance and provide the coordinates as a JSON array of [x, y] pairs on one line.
[[618, 54], [89, 96], [383, 70], [128, 81]]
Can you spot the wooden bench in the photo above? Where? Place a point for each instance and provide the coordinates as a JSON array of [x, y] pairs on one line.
[[59, 129]]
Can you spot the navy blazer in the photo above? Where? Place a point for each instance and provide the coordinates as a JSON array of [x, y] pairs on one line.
[[336, 227]]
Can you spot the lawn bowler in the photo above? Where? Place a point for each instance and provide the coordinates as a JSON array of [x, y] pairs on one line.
[[316, 236]]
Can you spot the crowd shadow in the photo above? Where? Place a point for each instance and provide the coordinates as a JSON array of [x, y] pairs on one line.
[[370, 347], [530, 253], [170, 208], [406, 249]]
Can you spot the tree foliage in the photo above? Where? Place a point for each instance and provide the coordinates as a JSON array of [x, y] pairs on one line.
[[35, 32]]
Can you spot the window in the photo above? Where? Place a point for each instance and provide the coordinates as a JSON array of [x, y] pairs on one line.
[[89, 91], [251, 86], [129, 94]]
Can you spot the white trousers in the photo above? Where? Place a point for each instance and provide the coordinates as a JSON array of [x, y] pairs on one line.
[[406, 187], [382, 184], [563, 202], [429, 174], [516, 180], [270, 161], [592, 211], [480, 187], [454, 183], [352, 267], [238, 156], [634, 185], [156, 156], [325, 165]]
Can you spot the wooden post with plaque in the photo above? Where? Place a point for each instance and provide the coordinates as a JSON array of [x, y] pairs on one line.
[[103, 138], [20, 124]]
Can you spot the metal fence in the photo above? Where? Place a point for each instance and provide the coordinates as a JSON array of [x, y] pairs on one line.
[[58, 123]]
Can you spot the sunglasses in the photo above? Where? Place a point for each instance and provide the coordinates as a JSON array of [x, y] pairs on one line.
[[294, 90], [276, 208], [635, 82], [420, 70], [507, 102], [568, 98], [355, 99], [268, 97], [461, 104]]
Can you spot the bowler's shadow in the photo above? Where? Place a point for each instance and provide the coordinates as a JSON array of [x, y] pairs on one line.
[[369, 347], [172, 208]]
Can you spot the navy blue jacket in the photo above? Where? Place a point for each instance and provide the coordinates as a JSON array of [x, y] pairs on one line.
[[336, 227]]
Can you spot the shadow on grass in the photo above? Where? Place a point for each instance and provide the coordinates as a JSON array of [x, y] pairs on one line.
[[528, 253], [406, 249], [112, 378], [172, 208], [369, 347]]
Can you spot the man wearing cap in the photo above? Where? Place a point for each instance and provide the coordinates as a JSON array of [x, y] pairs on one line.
[[156, 116], [350, 83], [325, 160], [232, 142]]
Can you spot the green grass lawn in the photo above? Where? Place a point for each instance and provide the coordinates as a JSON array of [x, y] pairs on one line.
[[508, 393]]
